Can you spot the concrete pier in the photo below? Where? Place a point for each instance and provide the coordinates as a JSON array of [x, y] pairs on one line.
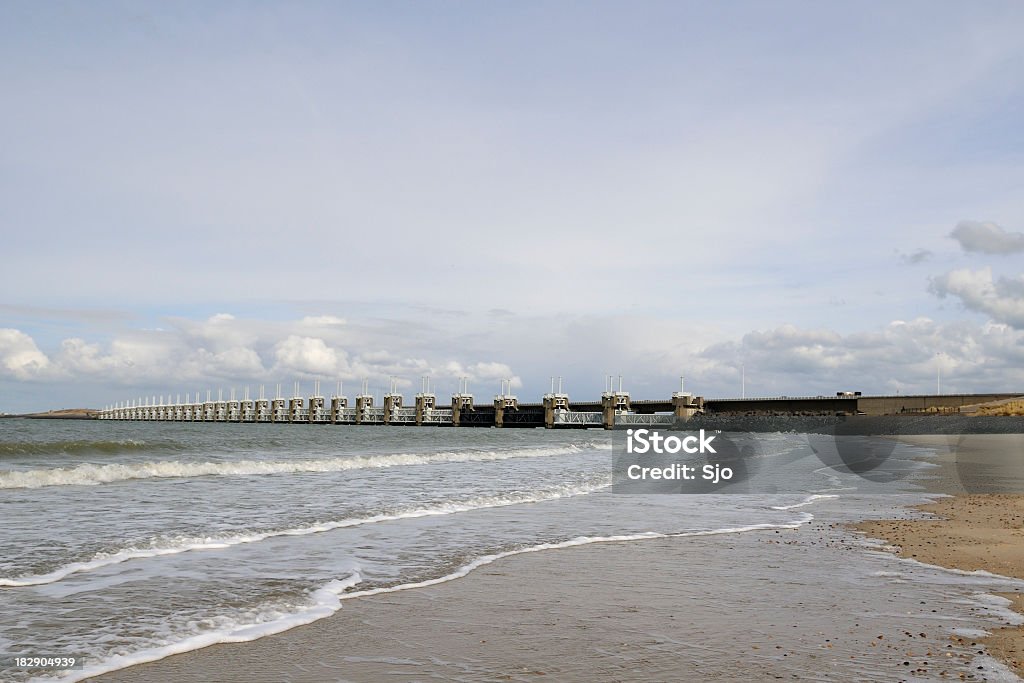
[[425, 404], [395, 410], [263, 411], [504, 402], [279, 409], [339, 408], [317, 411], [366, 411], [685, 405], [392, 402], [364, 403], [426, 410], [462, 402], [297, 407], [613, 404]]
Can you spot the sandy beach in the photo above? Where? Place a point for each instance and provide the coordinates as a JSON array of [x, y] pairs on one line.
[[639, 611], [971, 531]]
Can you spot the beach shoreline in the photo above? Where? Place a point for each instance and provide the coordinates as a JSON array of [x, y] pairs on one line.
[[616, 611], [569, 615], [967, 531]]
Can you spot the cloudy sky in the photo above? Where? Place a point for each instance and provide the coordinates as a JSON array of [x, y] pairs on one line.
[[200, 196]]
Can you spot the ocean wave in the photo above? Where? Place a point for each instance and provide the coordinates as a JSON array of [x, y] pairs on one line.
[[328, 599], [16, 448], [89, 474], [175, 546]]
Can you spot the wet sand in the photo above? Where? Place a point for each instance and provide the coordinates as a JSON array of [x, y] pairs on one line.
[[762, 606], [971, 531]]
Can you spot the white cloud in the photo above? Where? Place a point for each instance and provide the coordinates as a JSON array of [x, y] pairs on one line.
[[902, 356], [232, 363], [489, 372], [228, 351], [651, 353], [20, 358], [309, 356], [987, 237], [79, 357], [1001, 298]]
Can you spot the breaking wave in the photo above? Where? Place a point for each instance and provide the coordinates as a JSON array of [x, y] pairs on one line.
[[174, 546], [90, 474]]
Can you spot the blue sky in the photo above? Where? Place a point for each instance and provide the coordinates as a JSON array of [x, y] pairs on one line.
[[509, 189]]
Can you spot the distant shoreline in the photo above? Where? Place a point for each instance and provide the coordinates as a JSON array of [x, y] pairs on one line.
[[66, 414]]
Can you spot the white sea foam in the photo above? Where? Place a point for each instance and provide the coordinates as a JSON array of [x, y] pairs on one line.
[[327, 600], [89, 474], [999, 607], [969, 632], [164, 546], [1019, 583], [808, 501], [323, 602]]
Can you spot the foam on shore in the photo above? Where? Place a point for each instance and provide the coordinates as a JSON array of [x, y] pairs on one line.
[[809, 501]]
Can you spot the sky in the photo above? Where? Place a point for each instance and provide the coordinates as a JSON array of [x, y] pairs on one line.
[[814, 196]]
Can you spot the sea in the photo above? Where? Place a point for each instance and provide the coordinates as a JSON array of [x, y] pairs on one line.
[[123, 542]]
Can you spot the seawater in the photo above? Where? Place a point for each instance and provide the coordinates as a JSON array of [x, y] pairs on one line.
[[128, 542]]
